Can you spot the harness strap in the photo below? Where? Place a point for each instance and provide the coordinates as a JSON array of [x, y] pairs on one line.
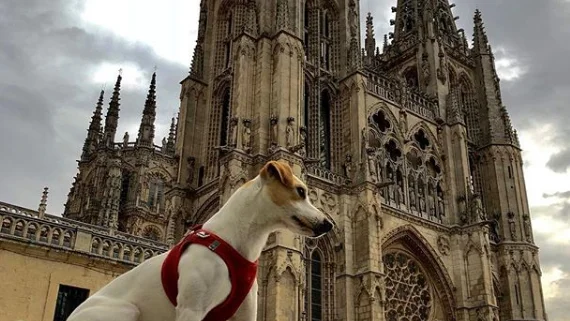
[[242, 272]]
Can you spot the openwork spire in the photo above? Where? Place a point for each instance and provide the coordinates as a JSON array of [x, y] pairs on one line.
[[92, 139], [480, 40], [370, 41], [146, 129], [112, 118], [43, 203], [171, 137]]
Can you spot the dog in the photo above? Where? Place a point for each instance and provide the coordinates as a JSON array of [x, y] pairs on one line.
[[275, 199]]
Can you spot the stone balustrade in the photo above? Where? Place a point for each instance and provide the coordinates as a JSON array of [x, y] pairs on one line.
[[24, 225], [324, 174]]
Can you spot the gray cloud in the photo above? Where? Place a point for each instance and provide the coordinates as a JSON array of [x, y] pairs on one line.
[[47, 94]]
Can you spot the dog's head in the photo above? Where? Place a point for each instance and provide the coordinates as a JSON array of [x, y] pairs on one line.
[[289, 200]]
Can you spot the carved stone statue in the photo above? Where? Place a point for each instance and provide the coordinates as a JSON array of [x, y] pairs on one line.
[[512, 225], [163, 144], [372, 164], [233, 131], [246, 135], [477, 208], [421, 199], [440, 204], [527, 228], [191, 163], [289, 132], [425, 69], [273, 134], [348, 166], [353, 16], [461, 202], [400, 191], [391, 188], [126, 140], [403, 121], [412, 192], [431, 204]]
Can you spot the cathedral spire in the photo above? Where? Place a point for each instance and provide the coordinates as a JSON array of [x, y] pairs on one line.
[[480, 40], [171, 137], [43, 203], [94, 128], [146, 129], [370, 41], [112, 118]]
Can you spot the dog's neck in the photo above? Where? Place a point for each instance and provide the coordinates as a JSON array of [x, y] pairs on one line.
[[240, 221]]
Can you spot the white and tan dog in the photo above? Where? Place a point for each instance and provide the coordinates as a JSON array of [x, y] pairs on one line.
[[275, 199]]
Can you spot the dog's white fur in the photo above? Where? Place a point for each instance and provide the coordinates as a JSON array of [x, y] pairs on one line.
[[263, 205]]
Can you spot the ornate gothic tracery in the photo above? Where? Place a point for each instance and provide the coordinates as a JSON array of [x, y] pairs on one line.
[[408, 293], [319, 282]]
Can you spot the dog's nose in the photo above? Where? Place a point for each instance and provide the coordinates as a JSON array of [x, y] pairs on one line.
[[324, 227]]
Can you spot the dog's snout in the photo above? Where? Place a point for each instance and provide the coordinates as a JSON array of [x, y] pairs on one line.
[[324, 227]]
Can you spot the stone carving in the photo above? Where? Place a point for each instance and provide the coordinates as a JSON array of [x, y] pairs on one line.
[[440, 204], [391, 188], [403, 121], [421, 199], [163, 147], [190, 163], [478, 213], [495, 228], [353, 19], [407, 288], [289, 132], [425, 69], [372, 164], [233, 131], [527, 228], [443, 245], [461, 202], [400, 191], [512, 225], [246, 135], [273, 131], [348, 166], [431, 204], [126, 140], [412, 192]]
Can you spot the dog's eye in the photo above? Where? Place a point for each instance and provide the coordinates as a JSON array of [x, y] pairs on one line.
[[301, 192]]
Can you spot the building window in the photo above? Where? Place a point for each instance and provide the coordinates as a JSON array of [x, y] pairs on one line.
[[156, 194], [325, 41], [125, 188], [228, 44], [68, 299], [315, 282], [325, 130], [306, 28]]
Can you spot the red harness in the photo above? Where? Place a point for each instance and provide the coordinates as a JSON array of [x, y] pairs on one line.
[[242, 272]]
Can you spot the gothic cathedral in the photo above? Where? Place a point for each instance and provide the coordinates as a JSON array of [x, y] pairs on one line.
[[407, 146]]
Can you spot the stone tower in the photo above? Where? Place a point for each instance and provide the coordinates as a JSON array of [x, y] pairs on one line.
[[121, 185], [407, 146]]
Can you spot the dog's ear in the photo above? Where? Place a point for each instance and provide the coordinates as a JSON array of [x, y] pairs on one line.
[[279, 171]]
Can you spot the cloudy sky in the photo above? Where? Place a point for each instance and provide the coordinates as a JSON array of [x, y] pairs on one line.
[[56, 55]]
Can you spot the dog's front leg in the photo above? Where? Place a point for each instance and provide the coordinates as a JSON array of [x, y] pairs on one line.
[[248, 309]]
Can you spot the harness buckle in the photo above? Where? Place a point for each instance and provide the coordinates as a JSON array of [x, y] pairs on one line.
[[203, 234]]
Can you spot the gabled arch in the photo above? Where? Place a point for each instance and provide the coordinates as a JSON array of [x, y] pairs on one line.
[[411, 239]]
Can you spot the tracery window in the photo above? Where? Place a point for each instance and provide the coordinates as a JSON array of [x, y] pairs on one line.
[[152, 233], [228, 41], [325, 40], [470, 109], [408, 292], [126, 180]]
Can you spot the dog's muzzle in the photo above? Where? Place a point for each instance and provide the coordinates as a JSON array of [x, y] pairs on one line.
[[323, 228]]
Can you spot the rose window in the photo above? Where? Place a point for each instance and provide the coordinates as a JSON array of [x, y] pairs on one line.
[[408, 296]]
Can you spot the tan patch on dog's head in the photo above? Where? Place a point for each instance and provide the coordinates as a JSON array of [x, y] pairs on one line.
[[281, 183]]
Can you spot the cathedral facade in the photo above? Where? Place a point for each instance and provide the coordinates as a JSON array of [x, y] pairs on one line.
[[406, 145]]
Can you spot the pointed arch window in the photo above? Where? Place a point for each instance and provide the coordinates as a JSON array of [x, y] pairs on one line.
[[306, 27], [325, 129], [225, 120], [126, 179], [314, 299], [326, 26], [228, 41], [156, 195]]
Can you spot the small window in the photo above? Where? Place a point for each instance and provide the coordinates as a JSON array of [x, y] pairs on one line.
[[510, 171], [68, 299]]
